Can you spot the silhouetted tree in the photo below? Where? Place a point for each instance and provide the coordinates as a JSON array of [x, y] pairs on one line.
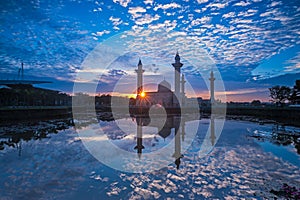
[[280, 94], [256, 103]]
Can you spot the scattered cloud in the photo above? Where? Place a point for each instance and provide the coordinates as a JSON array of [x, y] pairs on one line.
[[242, 3], [123, 3], [136, 11], [293, 64], [100, 33], [275, 3], [166, 6], [148, 2], [202, 1], [116, 21], [146, 19], [217, 5], [202, 20], [229, 15]]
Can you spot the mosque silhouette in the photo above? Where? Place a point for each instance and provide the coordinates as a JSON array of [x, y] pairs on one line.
[[171, 102], [164, 96]]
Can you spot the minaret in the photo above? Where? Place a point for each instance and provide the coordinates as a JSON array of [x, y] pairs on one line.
[[177, 65], [139, 72], [182, 89], [212, 87]]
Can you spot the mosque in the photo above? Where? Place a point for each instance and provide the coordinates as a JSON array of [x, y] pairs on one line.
[[171, 100], [164, 96]]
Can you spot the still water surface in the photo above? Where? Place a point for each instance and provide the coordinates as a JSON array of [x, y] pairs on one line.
[[49, 161]]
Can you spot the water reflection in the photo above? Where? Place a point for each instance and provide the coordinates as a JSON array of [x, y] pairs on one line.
[[212, 130], [236, 168], [171, 132], [164, 130], [139, 136], [12, 135], [280, 135]]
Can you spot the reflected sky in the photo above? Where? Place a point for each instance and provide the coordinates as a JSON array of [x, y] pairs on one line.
[[60, 167]]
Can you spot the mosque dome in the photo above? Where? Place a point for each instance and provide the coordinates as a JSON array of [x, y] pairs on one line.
[[164, 86]]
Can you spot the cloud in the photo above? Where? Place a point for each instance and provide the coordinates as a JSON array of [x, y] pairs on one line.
[[146, 19], [116, 72], [202, 20], [148, 2], [100, 33], [242, 3], [295, 67], [136, 11], [275, 3], [293, 64], [242, 91], [97, 9], [217, 5], [116, 21], [202, 1], [123, 3], [229, 15], [166, 6]]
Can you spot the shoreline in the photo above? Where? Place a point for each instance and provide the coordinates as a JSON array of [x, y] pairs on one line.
[[285, 115]]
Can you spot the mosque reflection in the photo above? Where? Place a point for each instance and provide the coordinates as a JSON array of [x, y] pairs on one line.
[[164, 127]]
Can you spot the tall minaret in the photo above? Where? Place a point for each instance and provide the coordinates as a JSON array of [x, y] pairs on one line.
[[139, 72], [212, 87], [182, 89], [177, 65]]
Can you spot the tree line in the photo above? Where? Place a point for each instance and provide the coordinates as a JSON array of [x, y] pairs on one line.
[[283, 94]]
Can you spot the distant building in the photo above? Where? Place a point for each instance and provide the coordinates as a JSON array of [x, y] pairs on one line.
[[27, 95]]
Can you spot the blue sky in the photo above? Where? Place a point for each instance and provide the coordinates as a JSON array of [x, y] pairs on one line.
[[254, 44]]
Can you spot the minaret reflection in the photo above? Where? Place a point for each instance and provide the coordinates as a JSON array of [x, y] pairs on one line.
[[212, 130], [139, 137], [177, 154], [171, 122], [182, 129]]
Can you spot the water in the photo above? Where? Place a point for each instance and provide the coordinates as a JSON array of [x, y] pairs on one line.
[[48, 160]]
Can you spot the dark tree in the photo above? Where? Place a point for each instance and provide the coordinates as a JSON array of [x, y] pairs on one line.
[[256, 103], [280, 94]]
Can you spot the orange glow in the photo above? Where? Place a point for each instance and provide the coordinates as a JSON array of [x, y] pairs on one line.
[[143, 94]]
